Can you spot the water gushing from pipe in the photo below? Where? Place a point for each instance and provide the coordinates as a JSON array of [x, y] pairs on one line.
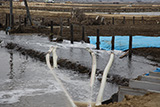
[[92, 74], [106, 70], [53, 50]]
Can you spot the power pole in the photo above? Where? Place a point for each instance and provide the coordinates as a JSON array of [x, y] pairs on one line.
[[11, 13], [28, 13]]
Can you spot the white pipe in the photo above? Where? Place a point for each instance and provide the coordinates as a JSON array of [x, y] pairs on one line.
[[92, 73], [106, 70], [54, 57], [53, 50], [93, 67]]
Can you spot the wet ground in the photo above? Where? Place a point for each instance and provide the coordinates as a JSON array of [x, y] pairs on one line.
[[26, 81]]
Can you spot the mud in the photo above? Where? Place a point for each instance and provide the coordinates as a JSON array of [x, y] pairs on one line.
[[147, 100], [149, 53]]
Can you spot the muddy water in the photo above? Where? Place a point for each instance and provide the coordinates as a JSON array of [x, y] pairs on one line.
[[27, 82], [77, 53], [41, 84]]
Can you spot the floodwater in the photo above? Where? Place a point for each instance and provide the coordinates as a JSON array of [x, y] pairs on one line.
[[27, 82], [77, 53]]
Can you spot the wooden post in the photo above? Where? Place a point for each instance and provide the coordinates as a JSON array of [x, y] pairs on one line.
[[11, 13], [83, 33], [98, 42], [28, 12], [12, 20], [51, 35], [130, 46], [124, 19], [133, 19], [9, 21], [61, 27], [6, 24], [71, 28], [142, 20], [42, 21], [113, 38], [25, 21], [113, 20], [51, 28], [68, 21], [20, 22]]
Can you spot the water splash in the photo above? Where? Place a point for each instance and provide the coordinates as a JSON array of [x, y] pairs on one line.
[[94, 66]]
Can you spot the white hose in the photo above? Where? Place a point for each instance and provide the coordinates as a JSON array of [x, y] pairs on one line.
[[93, 67], [53, 50], [106, 70], [92, 73]]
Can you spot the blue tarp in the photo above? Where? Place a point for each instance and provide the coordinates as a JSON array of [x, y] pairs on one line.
[[157, 70], [122, 42]]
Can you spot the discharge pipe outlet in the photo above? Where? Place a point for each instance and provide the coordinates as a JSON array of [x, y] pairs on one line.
[[106, 70], [53, 51], [92, 73], [93, 66]]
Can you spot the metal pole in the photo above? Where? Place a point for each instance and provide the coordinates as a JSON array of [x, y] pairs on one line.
[[28, 13]]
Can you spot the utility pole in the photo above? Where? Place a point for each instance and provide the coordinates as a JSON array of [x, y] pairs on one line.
[[28, 13], [11, 13]]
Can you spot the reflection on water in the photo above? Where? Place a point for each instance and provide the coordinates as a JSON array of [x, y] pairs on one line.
[[11, 73]]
